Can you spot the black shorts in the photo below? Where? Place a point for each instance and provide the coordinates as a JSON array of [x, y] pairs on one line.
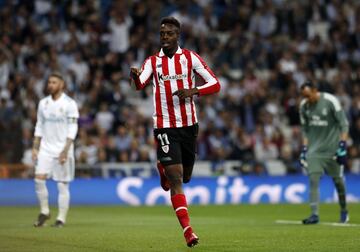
[[176, 145]]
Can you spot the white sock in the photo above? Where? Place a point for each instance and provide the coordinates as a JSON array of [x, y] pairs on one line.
[[42, 194], [63, 200]]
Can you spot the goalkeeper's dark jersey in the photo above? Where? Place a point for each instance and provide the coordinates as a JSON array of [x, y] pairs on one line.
[[322, 123]]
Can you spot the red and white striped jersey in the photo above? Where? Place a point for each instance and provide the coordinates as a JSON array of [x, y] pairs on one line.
[[169, 75]]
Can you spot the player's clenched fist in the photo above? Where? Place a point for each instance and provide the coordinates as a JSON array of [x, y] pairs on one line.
[[134, 73]]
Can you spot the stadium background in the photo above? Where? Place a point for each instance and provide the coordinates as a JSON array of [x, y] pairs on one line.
[[249, 143], [261, 51]]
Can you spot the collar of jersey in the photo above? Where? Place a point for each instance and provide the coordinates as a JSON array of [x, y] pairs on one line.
[[162, 54], [60, 98]]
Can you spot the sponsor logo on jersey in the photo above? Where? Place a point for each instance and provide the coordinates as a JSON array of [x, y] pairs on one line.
[[316, 121], [172, 77]]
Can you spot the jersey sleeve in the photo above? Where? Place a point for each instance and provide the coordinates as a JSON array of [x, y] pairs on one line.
[[39, 122], [339, 113], [72, 120], [343, 121], [146, 73], [303, 119], [212, 84], [73, 111]]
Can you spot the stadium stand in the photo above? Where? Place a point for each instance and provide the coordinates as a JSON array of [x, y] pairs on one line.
[[260, 51]]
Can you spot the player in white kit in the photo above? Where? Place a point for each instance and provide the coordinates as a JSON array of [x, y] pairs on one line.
[[53, 149]]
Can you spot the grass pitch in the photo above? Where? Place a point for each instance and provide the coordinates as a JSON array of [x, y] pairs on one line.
[[220, 228]]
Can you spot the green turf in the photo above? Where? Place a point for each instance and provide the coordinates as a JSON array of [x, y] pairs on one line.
[[220, 228]]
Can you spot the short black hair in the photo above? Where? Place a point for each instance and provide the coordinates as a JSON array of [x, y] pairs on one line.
[[308, 84], [170, 20]]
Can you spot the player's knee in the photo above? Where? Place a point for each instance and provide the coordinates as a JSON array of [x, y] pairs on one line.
[[63, 187], [40, 177], [338, 181], [174, 178]]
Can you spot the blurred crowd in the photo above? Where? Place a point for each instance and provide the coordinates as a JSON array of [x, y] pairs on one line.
[[261, 51]]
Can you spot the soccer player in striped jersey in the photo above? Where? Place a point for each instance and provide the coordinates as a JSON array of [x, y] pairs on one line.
[[325, 131], [53, 149], [172, 71]]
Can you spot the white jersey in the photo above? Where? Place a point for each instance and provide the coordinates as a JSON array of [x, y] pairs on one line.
[[56, 121]]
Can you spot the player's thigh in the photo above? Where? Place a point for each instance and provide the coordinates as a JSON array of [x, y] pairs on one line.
[[333, 169], [64, 172], [188, 151], [44, 164], [315, 165], [188, 145], [174, 173], [188, 155], [168, 147]]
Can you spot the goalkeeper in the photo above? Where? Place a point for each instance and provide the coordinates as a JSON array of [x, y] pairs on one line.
[[325, 131]]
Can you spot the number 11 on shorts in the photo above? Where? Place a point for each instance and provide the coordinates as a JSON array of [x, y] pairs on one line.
[[164, 140]]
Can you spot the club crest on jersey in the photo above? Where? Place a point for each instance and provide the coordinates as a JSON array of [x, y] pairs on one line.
[[165, 148], [183, 62], [324, 112]]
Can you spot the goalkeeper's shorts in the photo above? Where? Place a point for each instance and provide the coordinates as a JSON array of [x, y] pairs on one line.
[[324, 165]]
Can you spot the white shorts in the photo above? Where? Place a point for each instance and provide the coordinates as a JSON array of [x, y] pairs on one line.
[[53, 169]]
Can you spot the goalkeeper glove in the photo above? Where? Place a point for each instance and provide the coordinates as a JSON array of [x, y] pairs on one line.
[[341, 153], [303, 161]]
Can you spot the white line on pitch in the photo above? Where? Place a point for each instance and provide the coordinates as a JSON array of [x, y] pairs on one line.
[[336, 224]]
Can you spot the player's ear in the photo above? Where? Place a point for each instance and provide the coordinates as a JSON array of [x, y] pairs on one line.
[[63, 86]]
